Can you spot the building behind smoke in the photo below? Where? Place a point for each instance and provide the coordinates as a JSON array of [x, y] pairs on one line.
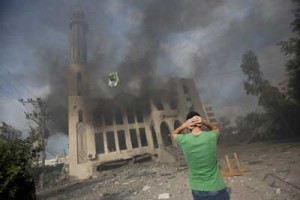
[[59, 159], [7, 132], [209, 113], [103, 130]]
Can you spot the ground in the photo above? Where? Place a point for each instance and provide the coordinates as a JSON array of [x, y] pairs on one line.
[[275, 174]]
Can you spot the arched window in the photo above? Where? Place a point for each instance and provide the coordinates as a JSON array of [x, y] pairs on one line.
[[177, 123], [80, 116], [155, 143], [165, 134]]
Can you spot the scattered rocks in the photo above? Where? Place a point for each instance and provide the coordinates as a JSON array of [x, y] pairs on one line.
[[146, 187], [164, 196], [153, 180]]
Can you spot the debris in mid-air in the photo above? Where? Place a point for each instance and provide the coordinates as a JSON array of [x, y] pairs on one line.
[[113, 79]]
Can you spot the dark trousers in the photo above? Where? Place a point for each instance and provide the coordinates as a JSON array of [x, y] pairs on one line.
[[204, 195]]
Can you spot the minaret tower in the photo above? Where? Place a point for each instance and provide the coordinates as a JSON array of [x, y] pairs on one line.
[[81, 133]]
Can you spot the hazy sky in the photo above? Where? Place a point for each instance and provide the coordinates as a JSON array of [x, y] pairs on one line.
[[203, 40]]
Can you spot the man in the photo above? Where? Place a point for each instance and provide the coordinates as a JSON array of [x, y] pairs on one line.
[[200, 151]]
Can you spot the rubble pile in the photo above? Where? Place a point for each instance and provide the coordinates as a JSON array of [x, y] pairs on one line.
[[274, 175]]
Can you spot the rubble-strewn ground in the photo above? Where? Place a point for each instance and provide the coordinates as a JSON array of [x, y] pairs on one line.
[[275, 175]]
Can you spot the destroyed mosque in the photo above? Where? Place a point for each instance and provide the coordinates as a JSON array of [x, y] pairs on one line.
[[114, 130]]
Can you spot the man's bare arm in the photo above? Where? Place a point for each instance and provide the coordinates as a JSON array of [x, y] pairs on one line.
[[185, 125], [178, 130], [211, 126]]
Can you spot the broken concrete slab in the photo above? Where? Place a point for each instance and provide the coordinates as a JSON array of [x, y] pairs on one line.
[[164, 196], [112, 165], [142, 158], [275, 181]]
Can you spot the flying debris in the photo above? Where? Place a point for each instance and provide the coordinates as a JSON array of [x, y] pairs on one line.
[[113, 79]]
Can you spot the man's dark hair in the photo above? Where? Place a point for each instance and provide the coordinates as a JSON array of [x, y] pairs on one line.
[[192, 114]]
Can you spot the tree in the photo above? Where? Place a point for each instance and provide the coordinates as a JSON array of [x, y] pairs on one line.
[[291, 48], [17, 157], [269, 96], [278, 115]]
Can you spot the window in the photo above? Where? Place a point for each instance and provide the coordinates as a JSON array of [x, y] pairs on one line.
[[111, 145], [133, 137], [210, 114], [143, 137], [80, 116], [208, 108], [165, 134], [177, 123], [173, 101], [108, 118], [158, 103], [122, 140], [119, 116], [213, 120], [99, 143], [155, 143], [98, 118], [185, 89], [130, 116], [79, 84], [139, 116]]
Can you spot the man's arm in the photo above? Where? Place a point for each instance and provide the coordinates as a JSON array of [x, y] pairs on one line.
[[211, 126], [180, 129]]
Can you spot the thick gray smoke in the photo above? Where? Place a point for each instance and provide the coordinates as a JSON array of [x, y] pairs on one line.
[[147, 42]]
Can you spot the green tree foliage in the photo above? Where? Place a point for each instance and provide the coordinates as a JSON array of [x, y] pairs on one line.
[[269, 96], [279, 115], [291, 48], [17, 157]]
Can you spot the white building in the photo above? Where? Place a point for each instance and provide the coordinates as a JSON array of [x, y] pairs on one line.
[[8, 132]]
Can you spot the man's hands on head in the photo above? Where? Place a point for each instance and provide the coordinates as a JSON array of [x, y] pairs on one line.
[[196, 121]]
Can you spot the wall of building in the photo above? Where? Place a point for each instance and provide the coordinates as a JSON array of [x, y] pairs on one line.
[[99, 137]]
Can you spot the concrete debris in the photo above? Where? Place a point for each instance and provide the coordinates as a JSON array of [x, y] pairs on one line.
[[275, 181], [112, 165], [164, 196], [142, 158], [146, 187], [148, 180]]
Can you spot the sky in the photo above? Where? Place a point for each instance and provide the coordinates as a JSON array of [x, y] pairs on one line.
[[146, 41]]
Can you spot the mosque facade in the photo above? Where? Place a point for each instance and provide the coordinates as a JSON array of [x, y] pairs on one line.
[[115, 131]]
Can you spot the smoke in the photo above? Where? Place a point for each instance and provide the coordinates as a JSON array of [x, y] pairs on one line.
[[160, 20], [54, 65], [146, 42]]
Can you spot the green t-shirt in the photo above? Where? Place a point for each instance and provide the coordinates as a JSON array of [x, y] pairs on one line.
[[200, 152]]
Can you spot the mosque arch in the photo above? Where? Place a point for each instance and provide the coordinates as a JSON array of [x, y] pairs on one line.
[[177, 123], [155, 143], [165, 134]]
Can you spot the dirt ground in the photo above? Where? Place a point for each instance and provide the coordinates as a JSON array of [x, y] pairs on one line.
[[275, 174]]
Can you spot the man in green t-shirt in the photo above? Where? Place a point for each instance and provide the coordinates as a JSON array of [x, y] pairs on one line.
[[200, 152]]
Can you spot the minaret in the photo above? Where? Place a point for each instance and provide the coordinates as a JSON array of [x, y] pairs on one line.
[[78, 28], [81, 133], [78, 81]]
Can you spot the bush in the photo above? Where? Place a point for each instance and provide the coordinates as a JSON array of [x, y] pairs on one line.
[[16, 182]]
